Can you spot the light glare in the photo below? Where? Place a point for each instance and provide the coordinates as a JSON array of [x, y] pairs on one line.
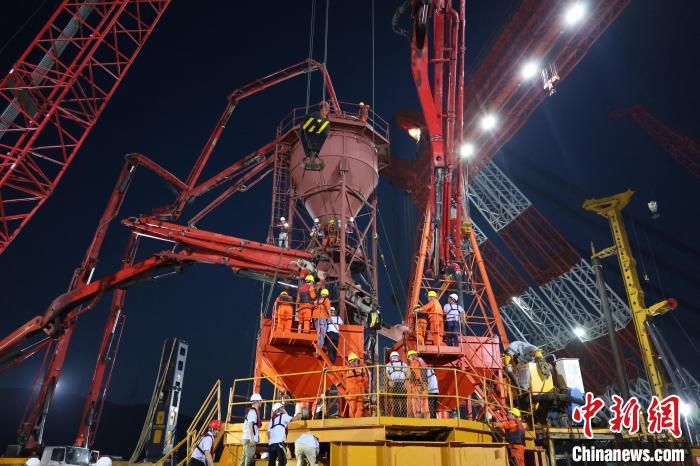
[[685, 408], [414, 133], [529, 69], [574, 13], [580, 332], [467, 150], [488, 122]]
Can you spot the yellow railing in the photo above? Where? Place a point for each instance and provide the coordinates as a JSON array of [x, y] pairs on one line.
[[384, 394], [210, 409]]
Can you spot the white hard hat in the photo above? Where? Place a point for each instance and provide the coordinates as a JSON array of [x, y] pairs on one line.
[[282, 219], [255, 397], [32, 462], [331, 308], [454, 296], [286, 225], [394, 354], [277, 406], [316, 220], [104, 461]]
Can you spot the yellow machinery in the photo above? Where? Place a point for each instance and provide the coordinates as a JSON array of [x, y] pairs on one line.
[[611, 208]]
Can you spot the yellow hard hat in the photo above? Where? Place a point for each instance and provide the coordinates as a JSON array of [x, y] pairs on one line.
[[352, 357], [514, 411], [284, 292], [331, 221], [411, 353], [432, 294], [417, 306], [309, 278], [324, 292], [538, 353], [362, 104]]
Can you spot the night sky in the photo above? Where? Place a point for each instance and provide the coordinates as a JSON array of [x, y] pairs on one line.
[[169, 101]]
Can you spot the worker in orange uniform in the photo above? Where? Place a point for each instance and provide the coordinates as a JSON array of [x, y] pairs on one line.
[[417, 386], [356, 381], [320, 315], [363, 112], [331, 234], [419, 324], [306, 294], [284, 312], [434, 311], [515, 436]]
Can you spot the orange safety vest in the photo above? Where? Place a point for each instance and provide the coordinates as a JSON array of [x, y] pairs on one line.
[[321, 307], [356, 380]]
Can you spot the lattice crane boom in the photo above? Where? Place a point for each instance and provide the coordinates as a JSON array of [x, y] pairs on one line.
[[56, 91], [683, 148]]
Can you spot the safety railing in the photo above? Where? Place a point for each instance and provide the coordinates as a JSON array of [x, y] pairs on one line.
[[209, 410], [347, 110], [381, 390]]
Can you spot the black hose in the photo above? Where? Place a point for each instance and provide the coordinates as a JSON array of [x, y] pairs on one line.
[[397, 16]]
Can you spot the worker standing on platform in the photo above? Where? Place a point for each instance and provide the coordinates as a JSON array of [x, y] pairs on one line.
[[316, 230], [203, 453], [283, 235], [374, 323], [251, 430], [420, 324], [356, 381], [277, 429], [515, 436], [417, 386], [331, 234], [396, 373], [433, 309], [306, 294], [320, 315], [284, 312], [363, 112], [453, 315], [333, 333]]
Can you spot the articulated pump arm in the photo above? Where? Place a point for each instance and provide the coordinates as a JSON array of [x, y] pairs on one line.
[[197, 246]]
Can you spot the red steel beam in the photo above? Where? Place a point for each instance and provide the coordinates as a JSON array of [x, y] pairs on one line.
[[54, 94]]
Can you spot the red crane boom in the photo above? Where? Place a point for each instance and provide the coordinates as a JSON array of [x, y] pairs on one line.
[[56, 91]]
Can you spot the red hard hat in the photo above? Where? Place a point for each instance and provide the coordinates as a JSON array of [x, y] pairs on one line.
[[215, 424]]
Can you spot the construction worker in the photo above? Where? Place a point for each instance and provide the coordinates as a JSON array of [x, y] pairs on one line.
[[283, 236], [277, 430], [374, 323], [320, 315], [433, 391], [453, 315], [284, 312], [80, 441], [396, 373], [515, 435], [417, 386], [331, 234], [203, 453], [350, 227], [333, 333], [363, 112], [251, 430], [325, 110], [306, 294], [306, 447], [419, 324], [356, 386], [316, 230], [434, 311]]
